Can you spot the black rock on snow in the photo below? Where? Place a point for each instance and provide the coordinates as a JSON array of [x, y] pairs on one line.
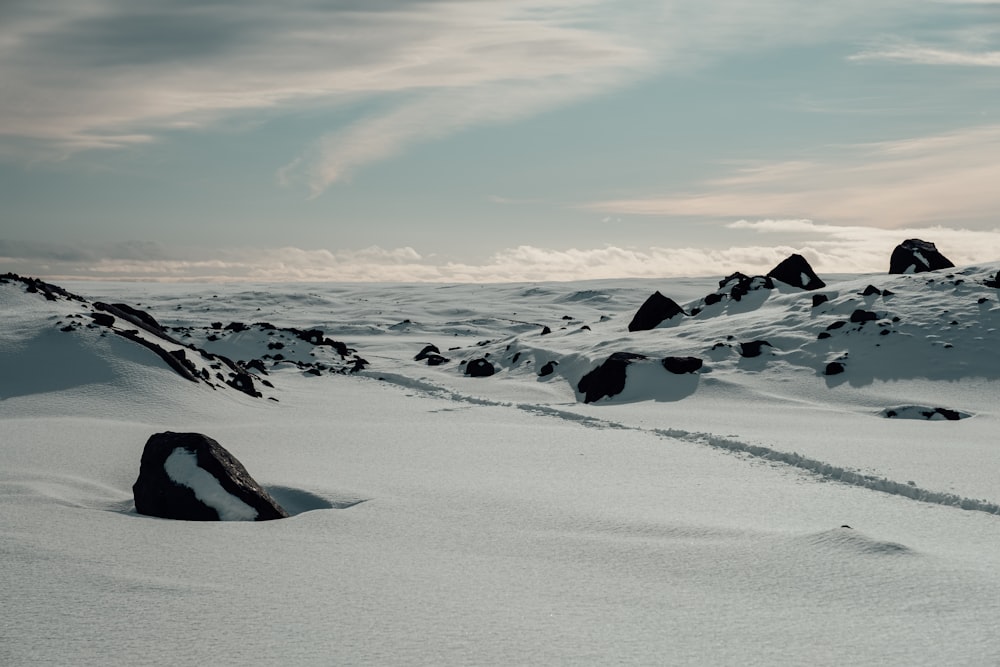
[[479, 368], [753, 348], [548, 368], [608, 379], [795, 271], [171, 461], [737, 285], [654, 310], [681, 365], [916, 256]]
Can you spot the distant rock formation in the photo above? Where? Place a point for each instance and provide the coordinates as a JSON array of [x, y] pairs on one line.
[[653, 311], [608, 379], [479, 368], [681, 365], [819, 299], [916, 256], [795, 271], [191, 477]]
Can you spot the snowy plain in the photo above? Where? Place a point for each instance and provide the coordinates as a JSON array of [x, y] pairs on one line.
[[694, 519]]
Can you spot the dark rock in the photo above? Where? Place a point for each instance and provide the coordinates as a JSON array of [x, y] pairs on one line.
[[236, 327], [360, 364], [188, 456], [681, 365], [654, 310], [738, 285], [887, 292], [795, 271], [314, 371], [713, 298], [427, 351], [819, 299], [436, 359], [256, 365], [823, 334], [753, 348], [548, 368], [545, 331], [916, 256], [834, 368], [862, 316], [608, 379], [993, 282], [104, 319], [479, 368], [871, 290]]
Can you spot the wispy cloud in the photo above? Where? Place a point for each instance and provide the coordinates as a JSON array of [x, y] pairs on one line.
[[927, 180], [87, 74], [919, 54]]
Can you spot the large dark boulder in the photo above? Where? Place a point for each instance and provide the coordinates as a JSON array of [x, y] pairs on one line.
[[795, 271], [608, 379], [548, 368], [191, 477], [479, 368], [916, 256], [653, 311], [681, 365]]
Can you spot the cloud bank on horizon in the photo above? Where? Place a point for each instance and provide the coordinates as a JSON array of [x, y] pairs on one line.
[[860, 116]]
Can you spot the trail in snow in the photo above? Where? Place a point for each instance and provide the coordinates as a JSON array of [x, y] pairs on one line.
[[821, 469]]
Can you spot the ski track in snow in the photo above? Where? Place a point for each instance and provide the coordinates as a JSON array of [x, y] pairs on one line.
[[817, 468]]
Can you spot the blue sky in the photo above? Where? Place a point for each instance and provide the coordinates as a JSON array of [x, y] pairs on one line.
[[492, 140]]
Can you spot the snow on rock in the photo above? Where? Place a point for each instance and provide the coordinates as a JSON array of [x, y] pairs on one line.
[[191, 477], [796, 271], [653, 311], [917, 256], [924, 412]]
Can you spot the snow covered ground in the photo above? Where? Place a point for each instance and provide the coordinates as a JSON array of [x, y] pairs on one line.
[[445, 519]]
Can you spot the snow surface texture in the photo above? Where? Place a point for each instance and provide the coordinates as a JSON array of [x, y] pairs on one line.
[[690, 519]]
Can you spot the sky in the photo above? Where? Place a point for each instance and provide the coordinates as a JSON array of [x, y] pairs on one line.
[[492, 140]]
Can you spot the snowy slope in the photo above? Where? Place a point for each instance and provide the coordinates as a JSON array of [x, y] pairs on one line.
[[447, 519]]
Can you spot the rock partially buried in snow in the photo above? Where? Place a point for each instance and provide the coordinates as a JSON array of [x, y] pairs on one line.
[[681, 365], [653, 311], [479, 368], [608, 379], [924, 412], [795, 271], [191, 477], [916, 256]]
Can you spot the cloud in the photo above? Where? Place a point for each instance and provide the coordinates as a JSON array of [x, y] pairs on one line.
[[917, 54], [103, 74], [946, 178], [829, 248]]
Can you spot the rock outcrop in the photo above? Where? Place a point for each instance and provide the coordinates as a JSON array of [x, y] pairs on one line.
[[653, 311], [796, 271], [681, 365], [479, 368], [608, 379], [916, 256], [191, 477]]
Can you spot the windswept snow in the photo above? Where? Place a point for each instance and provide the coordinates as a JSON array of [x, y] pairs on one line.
[[695, 518]]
